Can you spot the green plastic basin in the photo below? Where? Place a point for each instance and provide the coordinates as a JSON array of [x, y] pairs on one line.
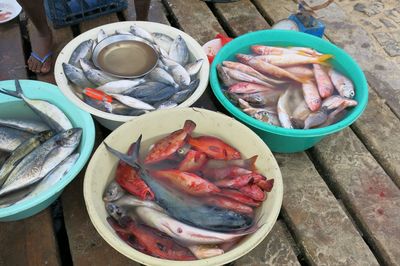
[[281, 139]]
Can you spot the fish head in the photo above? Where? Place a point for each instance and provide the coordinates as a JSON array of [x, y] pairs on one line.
[[113, 192], [348, 90], [70, 137], [115, 211]]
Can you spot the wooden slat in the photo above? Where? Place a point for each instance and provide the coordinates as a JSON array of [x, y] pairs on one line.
[[275, 249], [366, 190], [236, 16], [157, 12], [93, 23], [200, 24], [325, 233], [12, 61], [378, 128], [29, 242]]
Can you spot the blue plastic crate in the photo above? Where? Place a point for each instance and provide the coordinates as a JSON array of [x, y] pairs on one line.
[[69, 12], [317, 28]]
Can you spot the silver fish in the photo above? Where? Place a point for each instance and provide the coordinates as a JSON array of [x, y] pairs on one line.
[[342, 84], [54, 176], [160, 75], [267, 115], [168, 62], [180, 75], [185, 93], [122, 32], [76, 76], [283, 108], [334, 117], [261, 99], [49, 113], [120, 86], [113, 191], [162, 95], [31, 126], [100, 105], [179, 51], [194, 68], [16, 196], [131, 201], [239, 75], [162, 40], [224, 77], [3, 157], [316, 118], [37, 164], [11, 138], [101, 35], [83, 51], [21, 151], [97, 77], [132, 102], [146, 89], [335, 101], [142, 33]]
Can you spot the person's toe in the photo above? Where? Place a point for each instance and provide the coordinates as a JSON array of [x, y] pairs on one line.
[[46, 67], [36, 67]]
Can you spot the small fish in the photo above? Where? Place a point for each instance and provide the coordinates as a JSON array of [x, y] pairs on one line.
[[37, 164], [142, 33], [342, 84], [97, 77], [162, 40], [334, 116], [180, 75], [179, 51], [261, 99], [76, 76], [146, 89], [49, 113], [31, 126], [113, 192], [168, 62], [302, 71], [248, 87], [127, 200], [160, 75], [12, 198], [316, 118], [161, 96], [132, 102], [283, 109], [324, 83], [185, 91], [21, 151], [265, 115], [121, 86], [11, 138], [98, 104], [194, 68], [224, 77], [301, 112], [101, 35], [311, 95], [287, 60], [239, 75], [267, 68], [335, 101], [83, 51]]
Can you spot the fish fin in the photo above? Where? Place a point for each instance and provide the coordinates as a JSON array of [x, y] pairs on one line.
[[129, 159], [10, 93], [323, 58], [252, 162], [303, 79], [18, 88], [303, 53]]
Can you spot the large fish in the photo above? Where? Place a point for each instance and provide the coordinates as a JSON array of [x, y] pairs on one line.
[[342, 84], [187, 209], [121, 86], [132, 102], [76, 76], [31, 126], [97, 77], [11, 138], [48, 112], [160, 75], [21, 151], [37, 164], [194, 68], [83, 51], [162, 40], [142, 33], [179, 51]]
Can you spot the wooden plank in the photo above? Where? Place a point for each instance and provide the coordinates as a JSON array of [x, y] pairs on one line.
[[29, 242], [12, 61], [241, 17], [378, 130], [157, 12], [367, 191], [322, 229], [93, 23], [275, 249], [200, 24]]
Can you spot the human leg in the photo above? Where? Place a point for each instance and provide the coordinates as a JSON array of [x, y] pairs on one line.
[[142, 9]]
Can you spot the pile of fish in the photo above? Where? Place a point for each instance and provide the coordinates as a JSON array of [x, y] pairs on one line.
[[34, 155], [187, 198], [173, 80], [292, 87]]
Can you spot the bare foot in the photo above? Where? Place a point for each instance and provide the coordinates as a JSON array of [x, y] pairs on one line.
[[42, 44]]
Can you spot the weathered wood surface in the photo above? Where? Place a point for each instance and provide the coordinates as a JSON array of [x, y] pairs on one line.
[[157, 12], [12, 61], [367, 191], [275, 249], [323, 231]]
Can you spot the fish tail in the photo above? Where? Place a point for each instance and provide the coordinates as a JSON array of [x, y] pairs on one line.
[[18, 88], [132, 160], [322, 58], [10, 93]]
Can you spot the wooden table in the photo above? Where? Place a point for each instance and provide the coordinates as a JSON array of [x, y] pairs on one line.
[[341, 198]]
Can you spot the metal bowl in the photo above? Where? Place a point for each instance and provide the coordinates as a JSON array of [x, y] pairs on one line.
[[125, 56]]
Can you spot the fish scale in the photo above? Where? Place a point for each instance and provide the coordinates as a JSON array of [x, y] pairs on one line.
[[11, 138]]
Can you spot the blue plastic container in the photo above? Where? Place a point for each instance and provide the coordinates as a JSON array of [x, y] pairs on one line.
[[13, 107], [317, 30], [281, 139]]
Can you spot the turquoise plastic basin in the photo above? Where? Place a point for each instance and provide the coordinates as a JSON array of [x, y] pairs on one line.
[[281, 139], [13, 107]]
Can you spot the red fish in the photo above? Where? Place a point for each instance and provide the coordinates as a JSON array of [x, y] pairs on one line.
[[253, 191], [227, 203], [194, 161], [239, 181], [248, 164], [239, 196], [214, 147], [224, 172], [266, 185], [170, 144], [128, 178], [153, 242], [187, 182]]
